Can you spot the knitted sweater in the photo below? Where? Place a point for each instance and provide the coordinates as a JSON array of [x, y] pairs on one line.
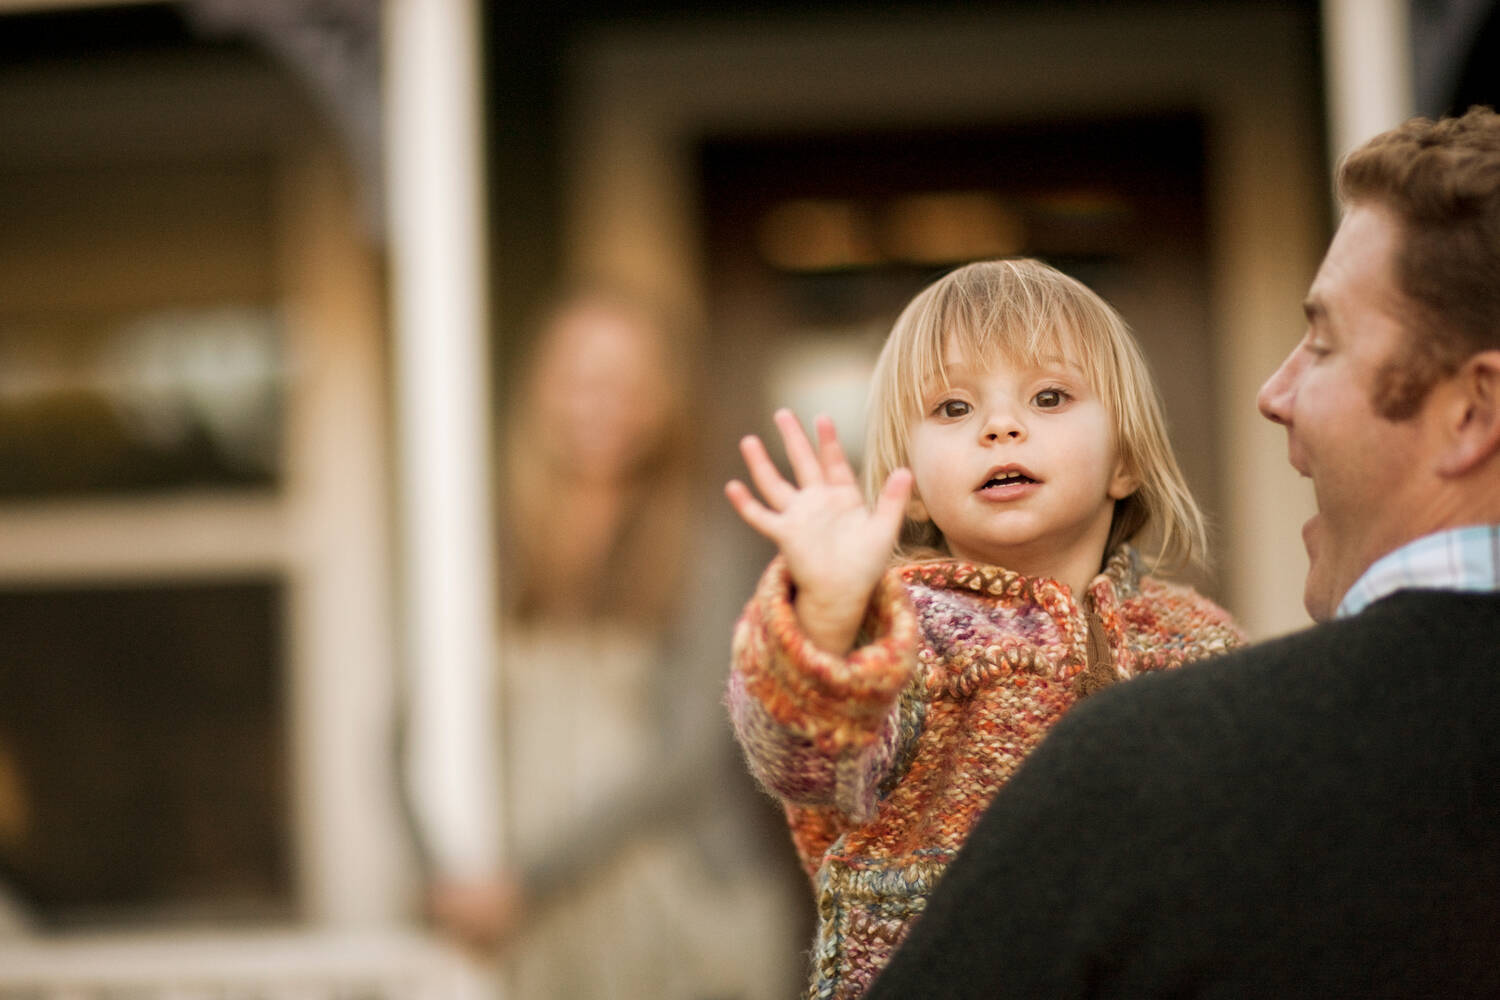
[[885, 758], [1312, 817]]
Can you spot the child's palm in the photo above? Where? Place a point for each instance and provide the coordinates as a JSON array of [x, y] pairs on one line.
[[836, 548]]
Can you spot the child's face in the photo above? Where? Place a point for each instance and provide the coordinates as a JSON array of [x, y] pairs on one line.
[[1016, 465]]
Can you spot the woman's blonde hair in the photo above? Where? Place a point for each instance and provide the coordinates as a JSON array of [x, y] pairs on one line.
[[638, 575], [1023, 311]]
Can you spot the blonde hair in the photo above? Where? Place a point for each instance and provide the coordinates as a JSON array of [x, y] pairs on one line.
[[1022, 311], [637, 578]]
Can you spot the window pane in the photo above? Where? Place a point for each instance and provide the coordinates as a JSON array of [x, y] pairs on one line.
[[143, 770]]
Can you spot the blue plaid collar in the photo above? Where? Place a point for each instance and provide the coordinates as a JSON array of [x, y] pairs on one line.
[[1466, 559]]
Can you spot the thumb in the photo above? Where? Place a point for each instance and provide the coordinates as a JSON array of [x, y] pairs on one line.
[[890, 505]]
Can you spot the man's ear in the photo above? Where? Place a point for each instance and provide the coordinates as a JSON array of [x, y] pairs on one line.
[[1471, 416], [1123, 482]]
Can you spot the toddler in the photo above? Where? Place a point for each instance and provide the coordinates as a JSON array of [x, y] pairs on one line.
[[1016, 448]]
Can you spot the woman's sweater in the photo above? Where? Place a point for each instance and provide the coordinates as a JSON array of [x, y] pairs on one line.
[[885, 758]]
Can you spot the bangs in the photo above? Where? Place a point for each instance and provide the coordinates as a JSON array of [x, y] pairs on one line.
[[1037, 331], [1022, 313]]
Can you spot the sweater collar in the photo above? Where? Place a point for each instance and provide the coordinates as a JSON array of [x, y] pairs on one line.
[[1120, 578]]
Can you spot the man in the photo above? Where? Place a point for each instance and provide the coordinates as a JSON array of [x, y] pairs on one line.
[[1319, 815]]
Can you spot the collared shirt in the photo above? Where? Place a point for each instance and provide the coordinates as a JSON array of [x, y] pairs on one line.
[[1465, 559]]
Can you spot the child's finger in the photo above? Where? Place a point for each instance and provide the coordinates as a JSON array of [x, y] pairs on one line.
[[768, 479], [750, 510], [799, 450], [890, 505], [836, 467]]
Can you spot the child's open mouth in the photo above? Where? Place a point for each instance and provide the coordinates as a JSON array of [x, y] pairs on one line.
[[1008, 479], [1007, 476]]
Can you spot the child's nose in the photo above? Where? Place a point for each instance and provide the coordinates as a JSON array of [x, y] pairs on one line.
[[1003, 425]]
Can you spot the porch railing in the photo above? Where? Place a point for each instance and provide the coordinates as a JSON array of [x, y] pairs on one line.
[[283, 965]]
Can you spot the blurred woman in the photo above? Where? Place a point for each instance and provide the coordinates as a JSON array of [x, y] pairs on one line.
[[627, 813]]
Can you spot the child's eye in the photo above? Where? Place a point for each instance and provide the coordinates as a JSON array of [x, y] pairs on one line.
[[952, 408], [1049, 399]]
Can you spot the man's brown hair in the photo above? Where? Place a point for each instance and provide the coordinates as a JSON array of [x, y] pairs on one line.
[[1441, 180]]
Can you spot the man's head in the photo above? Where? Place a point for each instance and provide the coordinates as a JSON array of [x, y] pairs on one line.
[[1441, 182], [1392, 399]]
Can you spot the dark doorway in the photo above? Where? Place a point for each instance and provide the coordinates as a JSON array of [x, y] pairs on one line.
[[814, 242]]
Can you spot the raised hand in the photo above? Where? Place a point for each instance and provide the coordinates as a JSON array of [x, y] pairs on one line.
[[836, 548]]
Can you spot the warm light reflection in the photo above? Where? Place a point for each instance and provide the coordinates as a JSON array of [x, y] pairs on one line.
[[949, 227], [926, 228], [818, 235], [1084, 204]]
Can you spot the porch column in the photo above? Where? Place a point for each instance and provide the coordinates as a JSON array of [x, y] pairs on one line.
[[439, 321], [1367, 58]]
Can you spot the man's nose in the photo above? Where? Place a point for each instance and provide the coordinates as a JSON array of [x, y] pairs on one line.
[[1275, 396]]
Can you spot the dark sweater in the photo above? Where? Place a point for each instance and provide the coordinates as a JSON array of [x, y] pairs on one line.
[[1315, 816]]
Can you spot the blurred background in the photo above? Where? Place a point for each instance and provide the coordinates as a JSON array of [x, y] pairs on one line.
[[369, 372]]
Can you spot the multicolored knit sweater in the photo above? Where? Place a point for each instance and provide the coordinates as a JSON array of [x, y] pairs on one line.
[[885, 758]]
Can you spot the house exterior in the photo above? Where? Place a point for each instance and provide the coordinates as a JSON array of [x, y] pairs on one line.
[[264, 270]]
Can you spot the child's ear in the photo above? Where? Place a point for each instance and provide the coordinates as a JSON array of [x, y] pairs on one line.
[[1123, 482]]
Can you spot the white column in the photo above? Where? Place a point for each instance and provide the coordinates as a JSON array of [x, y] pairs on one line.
[[335, 546], [1367, 62], [433, 130]]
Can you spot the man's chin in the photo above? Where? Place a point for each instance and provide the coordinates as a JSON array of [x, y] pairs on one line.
[[1319, 595], [1315, 590], [1319, 607], [1310, 536]]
